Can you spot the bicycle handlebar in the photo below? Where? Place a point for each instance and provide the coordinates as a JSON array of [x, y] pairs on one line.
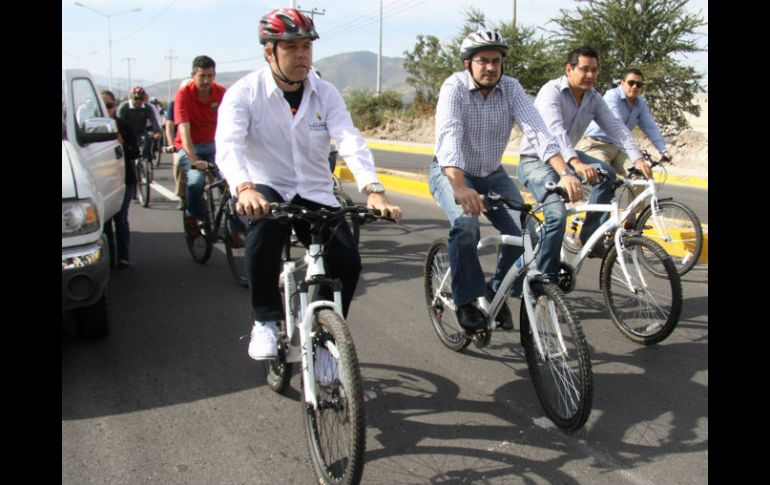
[[635, 173], [287, 210]]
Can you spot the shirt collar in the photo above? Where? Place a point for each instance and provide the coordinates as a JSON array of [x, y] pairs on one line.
[[271, 87]]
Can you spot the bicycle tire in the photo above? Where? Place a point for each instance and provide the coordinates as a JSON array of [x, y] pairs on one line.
[[142, 184], [199, 242], [336, 430], [648, 314], [278, 371], [235, 248], [444, 323], [148, 185], [563, 381], [158, 151], [681, 225], [355, 226]]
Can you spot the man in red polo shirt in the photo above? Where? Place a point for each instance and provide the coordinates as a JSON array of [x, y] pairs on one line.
[[195, 115]]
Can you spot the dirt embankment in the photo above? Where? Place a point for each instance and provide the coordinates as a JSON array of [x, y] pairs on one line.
[[689, 149]]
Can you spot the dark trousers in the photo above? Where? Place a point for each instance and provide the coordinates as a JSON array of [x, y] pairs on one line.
[[120, 238], [265, 240]]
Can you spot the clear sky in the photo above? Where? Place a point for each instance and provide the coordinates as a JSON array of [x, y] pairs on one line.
[[226, 30]]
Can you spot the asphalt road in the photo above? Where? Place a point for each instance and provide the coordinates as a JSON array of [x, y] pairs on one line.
[[172, 397]]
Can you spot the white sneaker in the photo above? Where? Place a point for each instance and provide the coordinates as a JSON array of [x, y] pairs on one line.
[[326, 369], [264, 341]]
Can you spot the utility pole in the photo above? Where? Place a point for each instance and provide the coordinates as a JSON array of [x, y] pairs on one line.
[[379, 57], [514, 13], [170, 58], [312, 12], [129, 59]]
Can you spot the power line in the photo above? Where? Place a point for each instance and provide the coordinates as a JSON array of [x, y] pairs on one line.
[[363, 22], [148, 23]]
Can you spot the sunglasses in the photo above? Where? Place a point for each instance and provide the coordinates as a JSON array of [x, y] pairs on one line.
[[109, 105], [635, 84]]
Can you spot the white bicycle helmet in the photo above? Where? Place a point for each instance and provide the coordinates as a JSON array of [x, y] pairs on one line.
[[483, 39]]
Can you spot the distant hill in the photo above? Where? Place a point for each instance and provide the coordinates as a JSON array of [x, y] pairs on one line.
[[347, 71]]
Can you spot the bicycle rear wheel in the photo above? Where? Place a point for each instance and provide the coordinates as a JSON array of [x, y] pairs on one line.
[[444, 319], [143, 181], [677, 230], [336, 430], [562, 376], [648, 312]]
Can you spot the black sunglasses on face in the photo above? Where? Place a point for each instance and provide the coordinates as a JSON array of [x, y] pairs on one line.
[[109, 105], [638, 84]]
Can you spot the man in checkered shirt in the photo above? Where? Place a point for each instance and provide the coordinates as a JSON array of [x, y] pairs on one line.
[[474, 116]]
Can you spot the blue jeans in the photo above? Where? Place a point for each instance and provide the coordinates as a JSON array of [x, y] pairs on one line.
[[534, 173], [464, 234], [196, 179], [119, 239]]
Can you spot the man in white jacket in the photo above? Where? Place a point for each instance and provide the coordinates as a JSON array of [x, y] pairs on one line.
[[272, 140]]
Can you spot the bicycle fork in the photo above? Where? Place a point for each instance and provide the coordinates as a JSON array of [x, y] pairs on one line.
[[534, 310]]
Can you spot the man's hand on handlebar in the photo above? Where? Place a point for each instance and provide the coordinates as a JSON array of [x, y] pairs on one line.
[[586, 171], [571, 184], [644, 166], [379, 201], [200, 165], [169, 149], [252, 203]]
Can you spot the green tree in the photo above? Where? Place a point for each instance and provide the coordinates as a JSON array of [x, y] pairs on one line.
[[642, 34], [370, 110], [428, 65]]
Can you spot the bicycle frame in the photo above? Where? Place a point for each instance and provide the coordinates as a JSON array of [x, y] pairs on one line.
[[303, 322], [492, 308], [615, 221]]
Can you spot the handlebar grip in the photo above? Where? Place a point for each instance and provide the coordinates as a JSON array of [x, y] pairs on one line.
[[551, 188]]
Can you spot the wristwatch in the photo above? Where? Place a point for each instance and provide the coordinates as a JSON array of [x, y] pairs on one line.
[[567, 171], [375, 188]]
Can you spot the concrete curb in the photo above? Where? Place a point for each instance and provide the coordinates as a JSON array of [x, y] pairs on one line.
[[674, 175]]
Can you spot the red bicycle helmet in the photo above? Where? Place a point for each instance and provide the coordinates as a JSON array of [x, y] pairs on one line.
[[137, 92], [286, 24]]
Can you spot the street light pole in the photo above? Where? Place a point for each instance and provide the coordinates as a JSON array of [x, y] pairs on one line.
[[109, 30], [77, 58]]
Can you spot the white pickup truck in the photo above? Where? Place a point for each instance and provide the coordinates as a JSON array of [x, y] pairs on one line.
[[92, 189]]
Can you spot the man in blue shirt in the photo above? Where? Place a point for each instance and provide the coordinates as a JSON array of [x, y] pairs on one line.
[[627, 104], [568, 105], [475, 112]]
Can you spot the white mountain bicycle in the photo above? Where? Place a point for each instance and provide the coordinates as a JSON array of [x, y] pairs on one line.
[[314, 333]]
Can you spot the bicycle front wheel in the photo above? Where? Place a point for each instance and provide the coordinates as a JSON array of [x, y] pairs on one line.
[[336, 430], [562, 373], [677, 230], [198, 242], [444, 319], [142, 182], [647, 311]]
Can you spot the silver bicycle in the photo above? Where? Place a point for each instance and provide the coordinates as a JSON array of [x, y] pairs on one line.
[[640, 283], [556, 350]]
